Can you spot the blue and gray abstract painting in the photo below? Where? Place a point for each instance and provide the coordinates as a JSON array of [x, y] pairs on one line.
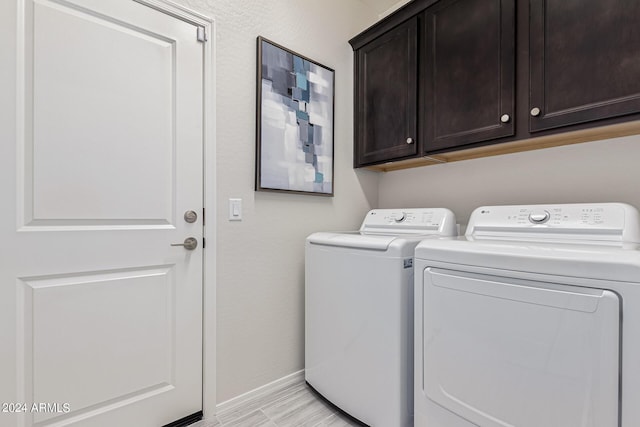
[[296, 123]]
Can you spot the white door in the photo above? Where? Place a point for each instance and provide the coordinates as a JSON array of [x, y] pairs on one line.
[[100, 317]]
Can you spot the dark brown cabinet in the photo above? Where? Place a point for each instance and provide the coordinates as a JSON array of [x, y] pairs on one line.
[[386, 96], [584, 61], [446, 79], [468, 63]]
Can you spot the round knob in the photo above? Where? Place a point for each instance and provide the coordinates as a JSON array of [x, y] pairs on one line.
[[409, 140], [398, 217], [539, 217], [535, 111], [190, 217], [505, 118]]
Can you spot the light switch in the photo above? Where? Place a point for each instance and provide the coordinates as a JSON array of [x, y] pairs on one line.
[[235, 209]]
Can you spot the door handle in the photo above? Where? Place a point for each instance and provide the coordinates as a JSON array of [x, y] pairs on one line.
[[190, 243]]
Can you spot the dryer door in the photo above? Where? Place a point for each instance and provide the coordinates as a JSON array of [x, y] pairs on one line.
[[501, 351]]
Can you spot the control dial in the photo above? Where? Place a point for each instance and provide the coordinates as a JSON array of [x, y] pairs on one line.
[[539, 217], [398, 216]]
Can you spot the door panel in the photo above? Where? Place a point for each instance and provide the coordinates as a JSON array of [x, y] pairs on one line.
[[101, 88], [105, 317], [144, 328], [583, 61], [386, 96], [500, 351], [469, 72]]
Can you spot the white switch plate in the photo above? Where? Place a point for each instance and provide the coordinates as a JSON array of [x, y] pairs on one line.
[[235, 209]]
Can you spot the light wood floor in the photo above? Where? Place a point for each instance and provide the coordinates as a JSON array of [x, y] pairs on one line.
[[296, 405]]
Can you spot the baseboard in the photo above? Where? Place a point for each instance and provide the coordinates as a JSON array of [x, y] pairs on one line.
[[188, 420], [271, 387]]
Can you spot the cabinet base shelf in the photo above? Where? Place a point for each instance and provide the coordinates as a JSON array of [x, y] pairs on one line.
[[556, 140]]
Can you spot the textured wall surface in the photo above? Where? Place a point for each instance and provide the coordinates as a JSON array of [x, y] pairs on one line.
[[260, 260], [601, 171]]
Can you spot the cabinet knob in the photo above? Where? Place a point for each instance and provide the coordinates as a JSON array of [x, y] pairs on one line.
[[409, 140], [505, 118], [535, 111]]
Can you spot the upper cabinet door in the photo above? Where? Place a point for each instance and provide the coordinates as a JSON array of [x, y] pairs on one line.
[[584, 61], [469, 66], [386, 96]]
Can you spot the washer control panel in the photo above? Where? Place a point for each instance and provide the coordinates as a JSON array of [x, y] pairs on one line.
[[565, 215], [576, 220], [411, 220]]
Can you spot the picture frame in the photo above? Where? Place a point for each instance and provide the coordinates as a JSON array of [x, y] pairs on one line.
[[294, 122]]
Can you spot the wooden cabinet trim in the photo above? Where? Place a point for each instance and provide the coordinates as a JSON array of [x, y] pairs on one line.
[[541, 142]]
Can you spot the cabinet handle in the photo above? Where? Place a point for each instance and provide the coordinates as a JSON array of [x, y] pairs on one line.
[[505, 118], [535, 111], [409, 140]]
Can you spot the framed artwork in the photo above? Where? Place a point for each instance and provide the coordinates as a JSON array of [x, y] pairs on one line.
[[294, 147]]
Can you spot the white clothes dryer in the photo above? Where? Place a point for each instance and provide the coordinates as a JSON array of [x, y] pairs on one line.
[[359, 313], [531, 319]]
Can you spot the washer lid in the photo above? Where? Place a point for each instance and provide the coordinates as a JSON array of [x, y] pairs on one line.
[[381, 227], [352, 240], [597, 240], [587, 260]]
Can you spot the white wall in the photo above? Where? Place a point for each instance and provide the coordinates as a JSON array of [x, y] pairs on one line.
[[393, 8], [260, 261], [601, 171]]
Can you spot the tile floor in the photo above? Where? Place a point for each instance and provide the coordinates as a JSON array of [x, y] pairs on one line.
[[296, 405]]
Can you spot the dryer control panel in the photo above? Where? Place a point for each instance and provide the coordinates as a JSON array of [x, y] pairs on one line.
[[616, 222], [439, 221]]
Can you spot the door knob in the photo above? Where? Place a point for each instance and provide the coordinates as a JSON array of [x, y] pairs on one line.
[[190, 243]]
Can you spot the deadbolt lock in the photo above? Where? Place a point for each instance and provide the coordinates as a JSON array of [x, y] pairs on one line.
[[190, 216]]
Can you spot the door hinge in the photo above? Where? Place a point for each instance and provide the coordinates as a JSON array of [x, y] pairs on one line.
[[202, 34], [204, 243], [204, 217]]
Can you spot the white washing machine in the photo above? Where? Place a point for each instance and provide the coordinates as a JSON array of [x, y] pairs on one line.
[[359, 313], [532, 319]]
